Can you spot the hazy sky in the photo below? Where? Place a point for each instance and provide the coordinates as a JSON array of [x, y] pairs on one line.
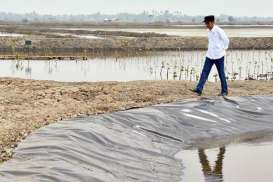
[[191, 7]]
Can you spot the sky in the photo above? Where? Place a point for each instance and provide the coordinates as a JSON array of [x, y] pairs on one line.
[[189, 7]]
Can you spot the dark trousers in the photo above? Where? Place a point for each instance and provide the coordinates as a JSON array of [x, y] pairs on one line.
[[220, 65]]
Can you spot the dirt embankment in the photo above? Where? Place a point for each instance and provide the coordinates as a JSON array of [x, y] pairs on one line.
[[27, 105], [43, 45]]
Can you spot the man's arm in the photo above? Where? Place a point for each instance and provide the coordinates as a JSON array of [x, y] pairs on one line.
[[224, 38]]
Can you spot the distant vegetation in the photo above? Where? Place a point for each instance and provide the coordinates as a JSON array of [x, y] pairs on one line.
[[144, 17]]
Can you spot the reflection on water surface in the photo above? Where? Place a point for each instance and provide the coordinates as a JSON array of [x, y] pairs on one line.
[[235, 163], [172, 65]]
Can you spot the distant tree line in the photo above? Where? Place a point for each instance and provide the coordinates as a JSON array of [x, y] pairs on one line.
[[144, 17]]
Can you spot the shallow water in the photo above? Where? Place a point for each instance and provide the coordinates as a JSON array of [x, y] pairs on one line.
[[5, 34], [80, 36], [231, 32], [249, 162], [173, 65]]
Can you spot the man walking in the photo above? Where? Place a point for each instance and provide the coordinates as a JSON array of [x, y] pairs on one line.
[[218, 43]]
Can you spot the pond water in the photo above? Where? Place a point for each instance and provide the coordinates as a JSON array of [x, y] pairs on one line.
[[236, 163], [80, 36], [231, 32], [5, 34], [172, 65]]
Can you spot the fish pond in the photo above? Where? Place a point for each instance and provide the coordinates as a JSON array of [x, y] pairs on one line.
[[168, 65]]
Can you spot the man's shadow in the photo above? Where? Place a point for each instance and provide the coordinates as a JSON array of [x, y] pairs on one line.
[[216, 174]]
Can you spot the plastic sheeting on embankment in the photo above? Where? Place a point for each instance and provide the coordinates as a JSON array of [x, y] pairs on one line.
[[135, 145]]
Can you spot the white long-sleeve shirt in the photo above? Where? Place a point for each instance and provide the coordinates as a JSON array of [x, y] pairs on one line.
[[218, 43]]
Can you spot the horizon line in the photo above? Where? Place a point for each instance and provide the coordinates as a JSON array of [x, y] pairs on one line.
[[136, 13]]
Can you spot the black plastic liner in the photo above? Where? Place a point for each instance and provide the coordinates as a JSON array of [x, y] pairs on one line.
[[136, 145]]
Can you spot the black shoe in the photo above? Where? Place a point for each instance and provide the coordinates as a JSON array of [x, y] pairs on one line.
[[224, 94], [199, 93]]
